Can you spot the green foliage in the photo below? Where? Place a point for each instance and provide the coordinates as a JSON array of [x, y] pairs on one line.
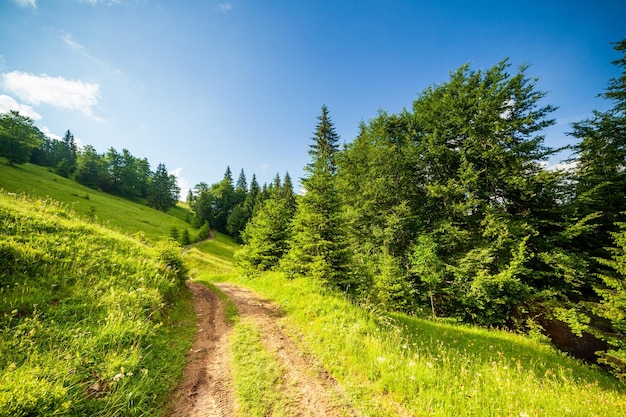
[[116, 213], [453, 190], [204, 232], [66, 155], [85, 319], [392, 289], [427, 265], [91, 169], [266, 236], [185, 239], [223, 194], [318, 247], [163, 191], [613, 305], [237, 221], [18, 137]]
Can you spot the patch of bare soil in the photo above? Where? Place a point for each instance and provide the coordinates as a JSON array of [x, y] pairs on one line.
[[310, 389], [206, 389]]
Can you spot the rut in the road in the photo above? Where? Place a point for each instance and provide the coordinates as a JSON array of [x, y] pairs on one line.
[[311, 391], [207, 389]]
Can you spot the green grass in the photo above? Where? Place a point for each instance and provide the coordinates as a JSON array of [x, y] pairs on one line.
[[395, 364], [257, 374], [92, 322], [114, 212], [212, 259]]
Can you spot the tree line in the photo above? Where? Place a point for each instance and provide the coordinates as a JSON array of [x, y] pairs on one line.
[[228, 206], [113, 172], [447, 209]]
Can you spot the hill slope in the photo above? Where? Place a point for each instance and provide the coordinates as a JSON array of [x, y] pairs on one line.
[[115, 212], [92, 322]]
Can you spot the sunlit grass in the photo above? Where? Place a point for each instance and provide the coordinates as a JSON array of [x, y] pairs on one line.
[[113, 211], [394, 364], [257, 374], [211, 260], [92, 322]]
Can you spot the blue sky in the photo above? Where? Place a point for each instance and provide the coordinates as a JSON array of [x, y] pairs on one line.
[[202, 85]]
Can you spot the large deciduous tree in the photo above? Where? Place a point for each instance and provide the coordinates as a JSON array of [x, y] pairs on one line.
[[18, 137]]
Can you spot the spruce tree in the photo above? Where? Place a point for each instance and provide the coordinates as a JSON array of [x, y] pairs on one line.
[[164, 190], [266, 235], [601, 197], [223, 198], [318, 246]]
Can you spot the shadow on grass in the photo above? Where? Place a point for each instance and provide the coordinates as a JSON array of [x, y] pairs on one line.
[[487, 346]]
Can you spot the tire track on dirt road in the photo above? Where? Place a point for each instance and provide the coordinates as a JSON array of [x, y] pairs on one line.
[[311, 391], [207, 388]]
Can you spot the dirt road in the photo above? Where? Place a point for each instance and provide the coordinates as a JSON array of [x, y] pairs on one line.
[[207, 389]]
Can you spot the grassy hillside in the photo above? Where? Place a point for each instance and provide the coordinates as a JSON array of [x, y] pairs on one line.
[[115, 212], [397, 365], [92, 322]]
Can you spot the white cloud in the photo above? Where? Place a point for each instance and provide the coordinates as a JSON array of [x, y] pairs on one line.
[[182, 182], [570, 166], [8, 103], [224, 7], [55, 91], [46, 131], [105, 2], [67, 38], [26, 3], [69, 41]]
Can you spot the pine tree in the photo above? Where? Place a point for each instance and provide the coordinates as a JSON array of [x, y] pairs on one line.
[[601, 164], [601, 197], [318, 247], [164, 191], [66, 155], [223, 199], [91, 168], [266, 235]]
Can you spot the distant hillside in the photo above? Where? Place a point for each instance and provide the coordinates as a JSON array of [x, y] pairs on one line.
[[115, 212]]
